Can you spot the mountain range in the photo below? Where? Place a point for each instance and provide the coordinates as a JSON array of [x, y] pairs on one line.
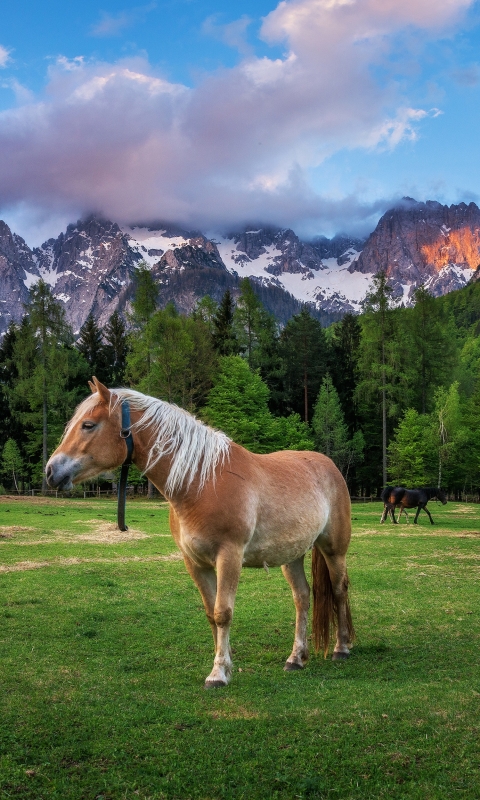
[[90, 266]]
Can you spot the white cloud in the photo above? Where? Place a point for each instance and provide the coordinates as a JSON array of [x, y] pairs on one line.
[[121, 140], [4, 56]]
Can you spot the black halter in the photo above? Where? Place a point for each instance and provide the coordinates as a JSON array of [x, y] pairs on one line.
[[125, 433]]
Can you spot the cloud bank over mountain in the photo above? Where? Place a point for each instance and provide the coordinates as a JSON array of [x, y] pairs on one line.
[[121, 140]]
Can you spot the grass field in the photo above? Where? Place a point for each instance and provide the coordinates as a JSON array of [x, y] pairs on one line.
[[104, 648]]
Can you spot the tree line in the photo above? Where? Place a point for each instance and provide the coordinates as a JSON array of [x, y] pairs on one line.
[[391, 395]]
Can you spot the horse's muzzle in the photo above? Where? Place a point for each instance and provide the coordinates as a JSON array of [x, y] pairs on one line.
[[60, 471]]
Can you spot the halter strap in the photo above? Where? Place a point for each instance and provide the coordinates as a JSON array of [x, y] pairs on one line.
[[126, 434]]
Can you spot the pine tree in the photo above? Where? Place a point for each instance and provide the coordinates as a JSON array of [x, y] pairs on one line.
[[304, 352], [238, 405], [145, 298], [224, 337], [433, 343], [344, 366], [116, 348], [91, 346], [40, 393], [410, 451], [331, 430], [378, 362]]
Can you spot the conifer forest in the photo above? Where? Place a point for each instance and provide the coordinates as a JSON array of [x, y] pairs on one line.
[[391, 395]]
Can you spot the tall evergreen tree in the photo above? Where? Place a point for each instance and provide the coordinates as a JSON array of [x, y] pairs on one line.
[[331, 431], [303, 347], [224, 337], [41, 354], [344, 366], [238, 405], [145, 298], [10, 425], [378, 362], [90, 345], [116, 348], [433, 345]]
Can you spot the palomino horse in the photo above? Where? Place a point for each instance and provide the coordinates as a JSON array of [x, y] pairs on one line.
[[397, 497], [229, 509]]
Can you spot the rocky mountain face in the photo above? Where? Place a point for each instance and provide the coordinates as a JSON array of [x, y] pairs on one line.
[[427, 243], [90, 266]]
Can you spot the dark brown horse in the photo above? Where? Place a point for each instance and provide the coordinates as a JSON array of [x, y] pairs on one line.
[[397, 497]]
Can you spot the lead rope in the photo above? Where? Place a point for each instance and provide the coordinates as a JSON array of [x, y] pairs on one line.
[[125, 433]]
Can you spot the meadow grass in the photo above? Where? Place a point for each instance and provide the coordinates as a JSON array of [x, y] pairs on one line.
[[104, 648]]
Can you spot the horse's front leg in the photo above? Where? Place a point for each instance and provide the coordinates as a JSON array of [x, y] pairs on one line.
[[206, 582], [229, 566], [295, 575], [428, 512]]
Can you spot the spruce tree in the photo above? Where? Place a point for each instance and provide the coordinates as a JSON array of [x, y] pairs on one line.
[[331, 431], [378, 362], [224, 337], [304, 351], [91, 346], [40, 393], [116, 348]]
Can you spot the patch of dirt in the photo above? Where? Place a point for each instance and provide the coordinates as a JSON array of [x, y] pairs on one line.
[[7, 531], [22, 566], [240, 712], [107, 533]]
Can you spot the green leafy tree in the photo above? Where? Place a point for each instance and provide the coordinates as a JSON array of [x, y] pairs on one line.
[[238, 405], [448, 433], [224, 337], [12, 462]]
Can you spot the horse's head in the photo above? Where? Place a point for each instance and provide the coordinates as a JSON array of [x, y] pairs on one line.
[[91, 443], [442, 496]]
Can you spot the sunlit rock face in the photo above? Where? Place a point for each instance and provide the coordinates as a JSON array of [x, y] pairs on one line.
[[428, 243]]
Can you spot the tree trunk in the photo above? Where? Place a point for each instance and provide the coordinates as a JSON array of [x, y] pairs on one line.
[[45, 443]]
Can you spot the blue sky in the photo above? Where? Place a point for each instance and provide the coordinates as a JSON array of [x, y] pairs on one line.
[[316, 114]]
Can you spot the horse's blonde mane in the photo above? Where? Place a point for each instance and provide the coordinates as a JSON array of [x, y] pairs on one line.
[[195, 448]]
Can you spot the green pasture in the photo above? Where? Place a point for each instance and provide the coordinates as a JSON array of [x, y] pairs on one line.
[[104, 648]]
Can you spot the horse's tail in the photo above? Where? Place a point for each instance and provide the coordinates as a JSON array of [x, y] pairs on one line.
[[325, 605], [386, 493]]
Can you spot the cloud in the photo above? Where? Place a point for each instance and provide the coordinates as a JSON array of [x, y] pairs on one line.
[[121, 140], [115, 24], [4, 56], [232, 33]]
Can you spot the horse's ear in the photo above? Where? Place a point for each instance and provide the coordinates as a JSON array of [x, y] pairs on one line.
[[93, 388], [102, 390]]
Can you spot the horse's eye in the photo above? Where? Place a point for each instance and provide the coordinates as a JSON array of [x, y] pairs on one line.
[[87, 426]]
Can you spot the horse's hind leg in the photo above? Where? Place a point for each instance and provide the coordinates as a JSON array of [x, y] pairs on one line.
[[331, 588], [295, 575]]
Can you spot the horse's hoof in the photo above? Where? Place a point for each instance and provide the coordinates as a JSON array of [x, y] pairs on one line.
[[215, 684], [340, 656], [292, 666]]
